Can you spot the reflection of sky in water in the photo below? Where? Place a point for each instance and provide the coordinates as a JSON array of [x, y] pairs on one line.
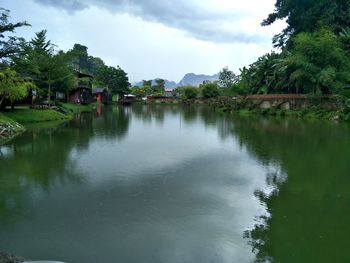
[[165, 193], [5, 151]]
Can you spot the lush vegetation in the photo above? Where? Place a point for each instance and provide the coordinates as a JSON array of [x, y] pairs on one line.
[[39, 67], [13, 87], [313, 52], [148, 88]]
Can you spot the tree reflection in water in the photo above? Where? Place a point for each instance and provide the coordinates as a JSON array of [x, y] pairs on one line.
[[40, 159], [309, 207]]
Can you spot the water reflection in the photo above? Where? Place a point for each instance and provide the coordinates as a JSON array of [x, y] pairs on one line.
[[111, 122], [163, 183], [308, 210], [32, 165]]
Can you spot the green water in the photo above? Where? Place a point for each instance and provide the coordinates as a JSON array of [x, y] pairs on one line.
[[177, 184]]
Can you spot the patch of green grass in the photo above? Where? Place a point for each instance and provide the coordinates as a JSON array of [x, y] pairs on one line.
[[24, 116], [245, 111]]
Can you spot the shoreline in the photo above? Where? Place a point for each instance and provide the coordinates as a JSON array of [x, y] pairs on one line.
[[291, 107], [13, 123]]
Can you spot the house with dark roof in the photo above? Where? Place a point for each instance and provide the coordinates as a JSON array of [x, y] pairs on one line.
[[82, 93]]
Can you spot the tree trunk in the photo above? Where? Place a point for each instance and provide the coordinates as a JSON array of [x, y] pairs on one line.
[[49, 92], [1, 101]]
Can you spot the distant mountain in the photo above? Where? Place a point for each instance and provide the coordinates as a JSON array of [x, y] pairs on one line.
[[168, 84], [188, 79], [196, 80]]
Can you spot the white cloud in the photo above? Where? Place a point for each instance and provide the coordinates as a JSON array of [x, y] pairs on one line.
[[147, 48]]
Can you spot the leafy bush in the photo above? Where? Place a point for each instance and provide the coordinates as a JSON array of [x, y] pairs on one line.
[[346, 93], [210, 90], [189, 92]]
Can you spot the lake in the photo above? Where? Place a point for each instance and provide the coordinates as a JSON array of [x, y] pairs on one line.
[[177, 184]]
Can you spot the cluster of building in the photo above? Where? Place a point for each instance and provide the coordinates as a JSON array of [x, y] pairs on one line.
[[83, 92]]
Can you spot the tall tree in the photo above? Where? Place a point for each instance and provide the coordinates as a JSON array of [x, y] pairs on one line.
[[80, 57], [147, 83], [160, 83], [227, 78], [49, 68], [8, 44], [308, 16], [82, 61], [318, 62], [116, 79], [13, 87]]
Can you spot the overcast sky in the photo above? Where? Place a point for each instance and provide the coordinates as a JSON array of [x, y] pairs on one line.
[[155, 38]]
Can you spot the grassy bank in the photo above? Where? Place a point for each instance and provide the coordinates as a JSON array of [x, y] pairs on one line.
[[14, 122], [25, 115], [75, 108]]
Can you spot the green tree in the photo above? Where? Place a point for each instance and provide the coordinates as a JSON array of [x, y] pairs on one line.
[[189, 92], [308, 16], [13, 87], [210, 90], [227, 78], [138, 91], [116, 79], [95, 64], [9, 45], [159, 87], [264, 74], [63, 79], [80, 57], [147, 83], [160, 83], [318, 62], [49, 68]]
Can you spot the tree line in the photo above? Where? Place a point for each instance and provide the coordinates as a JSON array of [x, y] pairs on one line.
[[39, 65]]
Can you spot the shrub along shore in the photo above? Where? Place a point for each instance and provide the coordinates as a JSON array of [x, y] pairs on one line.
[[13, 122]]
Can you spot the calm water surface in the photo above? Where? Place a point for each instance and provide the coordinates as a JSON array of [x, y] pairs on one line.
[[171, 184]]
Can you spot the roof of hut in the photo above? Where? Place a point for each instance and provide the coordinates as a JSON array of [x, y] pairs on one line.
[[98, 90], [83, 75]]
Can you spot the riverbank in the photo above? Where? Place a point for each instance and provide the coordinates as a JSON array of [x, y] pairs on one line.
[[14, 122], [329, 108], [307, 113], [335, 108]]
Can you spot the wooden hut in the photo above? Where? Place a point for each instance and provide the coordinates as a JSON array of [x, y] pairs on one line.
[[82, 94], [168, 92], [101, 95]]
